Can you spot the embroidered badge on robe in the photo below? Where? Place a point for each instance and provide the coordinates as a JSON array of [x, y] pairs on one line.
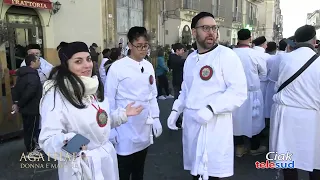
[[151, 79], [206, 73], [102, 118]]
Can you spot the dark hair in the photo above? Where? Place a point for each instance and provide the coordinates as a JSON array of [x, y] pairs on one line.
[[29, 58], [61, 73], [129, 52], [271, 46], [136, 32], [178, 46], [105, 53], [115, 53], [160, 52], [282, 45], [62, 44]]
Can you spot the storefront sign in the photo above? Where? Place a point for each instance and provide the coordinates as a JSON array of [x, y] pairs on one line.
[[42, 4]]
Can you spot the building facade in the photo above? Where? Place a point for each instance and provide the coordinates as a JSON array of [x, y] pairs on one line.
[[314, 20], [266, 19], [48, 23], [278, 22]]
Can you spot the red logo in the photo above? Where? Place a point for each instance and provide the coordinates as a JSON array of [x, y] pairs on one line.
[[151, 79], [206, 73]]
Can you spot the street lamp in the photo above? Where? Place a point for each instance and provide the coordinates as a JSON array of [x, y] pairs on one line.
[[56, 7]]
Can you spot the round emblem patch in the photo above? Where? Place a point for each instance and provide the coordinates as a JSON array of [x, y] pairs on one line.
[[102, 118], [206, 73], [151, 79]]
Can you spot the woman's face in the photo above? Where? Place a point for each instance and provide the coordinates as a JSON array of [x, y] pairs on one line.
[[81, 64]]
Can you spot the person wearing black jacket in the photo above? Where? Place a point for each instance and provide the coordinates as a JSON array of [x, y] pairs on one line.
[[115, 54], [176, 63], [26, 95]]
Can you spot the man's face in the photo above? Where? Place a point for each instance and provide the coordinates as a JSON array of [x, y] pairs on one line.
[[206, 32], [35, 52], [265, 45], [180, 52], [120, 45], [139, 48], [36, 64]]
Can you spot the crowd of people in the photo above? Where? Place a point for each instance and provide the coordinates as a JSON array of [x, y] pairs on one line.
[[222, 97]]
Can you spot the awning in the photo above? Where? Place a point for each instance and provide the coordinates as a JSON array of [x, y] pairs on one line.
[[41, 4]]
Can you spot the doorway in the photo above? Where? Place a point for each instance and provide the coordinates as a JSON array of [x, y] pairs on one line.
[[24, 29]]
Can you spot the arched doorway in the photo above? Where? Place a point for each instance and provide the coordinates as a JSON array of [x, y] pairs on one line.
[[24, 28], [186, 35]]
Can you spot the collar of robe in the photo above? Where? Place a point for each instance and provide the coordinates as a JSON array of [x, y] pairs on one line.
[[243, 46], [299, 45], [216, 45], [91, 85]]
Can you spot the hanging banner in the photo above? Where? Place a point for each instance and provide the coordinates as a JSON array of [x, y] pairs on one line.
[[40, 4]]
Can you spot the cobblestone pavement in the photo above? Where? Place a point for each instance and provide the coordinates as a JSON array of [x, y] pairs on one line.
[[164, 160]]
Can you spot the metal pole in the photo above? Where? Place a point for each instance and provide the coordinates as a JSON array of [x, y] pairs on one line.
[[164, 22]]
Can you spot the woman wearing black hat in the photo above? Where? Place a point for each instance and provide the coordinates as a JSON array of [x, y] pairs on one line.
[[74, 104]]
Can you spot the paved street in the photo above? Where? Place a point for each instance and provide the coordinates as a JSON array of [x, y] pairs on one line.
[[164, 161]]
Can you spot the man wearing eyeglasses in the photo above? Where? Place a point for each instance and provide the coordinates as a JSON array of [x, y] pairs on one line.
[[214, 84]]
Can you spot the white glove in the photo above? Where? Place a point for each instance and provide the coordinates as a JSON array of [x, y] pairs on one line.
[[172, 119], [203, 116], [113, 137], [157, 127]]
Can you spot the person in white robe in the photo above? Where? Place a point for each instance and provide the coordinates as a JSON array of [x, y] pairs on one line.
[[45, 67], [73, 103], [248, 119], [102, 70], [271, 48], [132, 79], [272, 77], [295, 125], [214, 85], [260, 44]]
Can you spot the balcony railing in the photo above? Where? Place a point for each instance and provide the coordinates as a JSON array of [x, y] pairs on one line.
[[237, 17]]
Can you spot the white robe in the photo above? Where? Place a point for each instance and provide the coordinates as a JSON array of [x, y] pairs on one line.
[[102, 70], [44, 70], [263, 80], [295, 114], [248, 120], [224, 91], [64, 121], [125, 84], [273, 71]]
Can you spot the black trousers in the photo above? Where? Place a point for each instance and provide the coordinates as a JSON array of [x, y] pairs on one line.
[[132, 165], [254, 141], [163, 84], [177, 90], [210, 178], [31, 130], [292, 174]]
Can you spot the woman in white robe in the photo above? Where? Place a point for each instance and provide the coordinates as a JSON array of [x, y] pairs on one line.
[[72, 102]]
